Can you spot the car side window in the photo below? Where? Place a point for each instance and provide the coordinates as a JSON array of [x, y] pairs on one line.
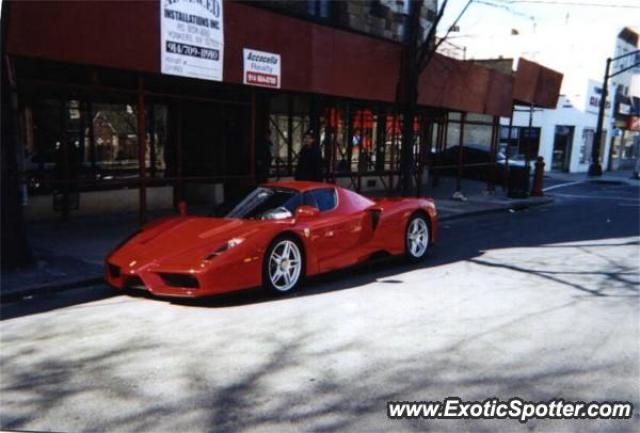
[[323, 198]]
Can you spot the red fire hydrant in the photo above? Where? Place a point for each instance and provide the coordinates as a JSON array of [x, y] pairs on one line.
[[538, 178]]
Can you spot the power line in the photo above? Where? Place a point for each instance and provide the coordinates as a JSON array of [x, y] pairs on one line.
[[506, 8], [571, 3]]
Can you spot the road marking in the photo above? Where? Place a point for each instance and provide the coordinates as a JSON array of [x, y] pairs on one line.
[[562, 185]]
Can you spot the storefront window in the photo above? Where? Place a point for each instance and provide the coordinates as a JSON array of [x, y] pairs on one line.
[[588, 137], [288, 121], [353, 137], [522, 137], [115, 137], [92, 145], [368, 141], [631, 145], [44, 134], [587, 145]]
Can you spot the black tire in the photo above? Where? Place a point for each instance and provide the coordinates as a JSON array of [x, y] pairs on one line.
[[411, 252], [280, 287]]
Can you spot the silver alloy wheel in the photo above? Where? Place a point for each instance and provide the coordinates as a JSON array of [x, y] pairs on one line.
[[285, 265], [417, 237]]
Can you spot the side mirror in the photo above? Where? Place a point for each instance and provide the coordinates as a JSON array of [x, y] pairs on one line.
[[305, 212]]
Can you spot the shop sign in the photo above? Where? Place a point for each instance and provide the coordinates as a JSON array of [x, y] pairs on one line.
[[594, 95], [261, 68], [192, 38], [624, 109]]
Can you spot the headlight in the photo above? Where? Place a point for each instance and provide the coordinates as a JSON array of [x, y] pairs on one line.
[[224, 247], [234, 243]]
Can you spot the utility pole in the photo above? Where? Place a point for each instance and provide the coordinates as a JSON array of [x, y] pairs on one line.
[[595, 169]]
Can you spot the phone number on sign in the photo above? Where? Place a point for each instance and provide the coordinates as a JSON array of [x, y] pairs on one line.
[[192, 51]]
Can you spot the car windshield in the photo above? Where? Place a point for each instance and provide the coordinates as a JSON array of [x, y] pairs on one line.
[[267, 203]]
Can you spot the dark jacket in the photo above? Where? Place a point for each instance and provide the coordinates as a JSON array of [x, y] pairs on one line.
[[309, 164]]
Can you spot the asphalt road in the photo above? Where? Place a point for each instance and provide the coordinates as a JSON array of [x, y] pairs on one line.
[[539, 304]]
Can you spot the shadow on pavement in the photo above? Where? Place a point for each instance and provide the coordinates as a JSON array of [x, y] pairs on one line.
[[310, 374], [53, 301]]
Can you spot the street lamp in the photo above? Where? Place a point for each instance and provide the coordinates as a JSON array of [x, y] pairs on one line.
[[595, 169]]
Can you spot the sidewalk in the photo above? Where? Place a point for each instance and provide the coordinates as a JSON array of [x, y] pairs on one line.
[[71, 254], [623, 176], [478, 200]]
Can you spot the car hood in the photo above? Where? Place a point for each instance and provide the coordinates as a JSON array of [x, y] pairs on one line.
[[181, 240]]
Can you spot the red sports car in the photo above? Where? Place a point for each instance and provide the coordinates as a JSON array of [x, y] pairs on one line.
[[279, 234]]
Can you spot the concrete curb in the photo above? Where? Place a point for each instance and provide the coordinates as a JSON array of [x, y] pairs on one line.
[[19, 295], [516, 205], [613, 180]]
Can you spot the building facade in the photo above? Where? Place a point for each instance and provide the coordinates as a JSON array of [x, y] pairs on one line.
[[207, 98], [563, 134], [567, 132], [625, 88]]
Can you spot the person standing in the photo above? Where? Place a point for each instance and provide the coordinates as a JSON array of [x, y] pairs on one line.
[[309, 160]]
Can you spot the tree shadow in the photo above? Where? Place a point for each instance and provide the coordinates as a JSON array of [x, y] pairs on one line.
[[307, 377]]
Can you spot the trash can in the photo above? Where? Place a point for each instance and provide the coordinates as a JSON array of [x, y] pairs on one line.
[[518, 182]]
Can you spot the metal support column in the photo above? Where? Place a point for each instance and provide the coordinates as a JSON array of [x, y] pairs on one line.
[[392, 151], [289, 135], [151, 125], [142, 139], [361, 161], [463, 118], [179, 153], [491, 178], [507, 153], [252, 139], [595, 169], [527, 153]]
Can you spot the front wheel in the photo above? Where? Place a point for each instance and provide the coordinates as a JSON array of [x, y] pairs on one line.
[[283, 265], [417, 238]]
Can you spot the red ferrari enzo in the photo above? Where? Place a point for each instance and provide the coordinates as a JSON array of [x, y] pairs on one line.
[[277, 235]]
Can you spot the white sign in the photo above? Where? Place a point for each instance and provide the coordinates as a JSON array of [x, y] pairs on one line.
[[594, 95], [192, 38], [624, 108], [261, 68]]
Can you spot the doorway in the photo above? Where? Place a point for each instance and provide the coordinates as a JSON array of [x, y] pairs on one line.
[[562, 143]]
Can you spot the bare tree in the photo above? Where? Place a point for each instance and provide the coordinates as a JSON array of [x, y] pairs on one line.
[[417, 55]]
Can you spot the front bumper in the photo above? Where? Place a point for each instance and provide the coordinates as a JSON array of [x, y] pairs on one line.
[[222, 276], [157, 282]]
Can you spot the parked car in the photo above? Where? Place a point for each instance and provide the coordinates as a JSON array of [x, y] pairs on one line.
[[477, 161], [279, 234]]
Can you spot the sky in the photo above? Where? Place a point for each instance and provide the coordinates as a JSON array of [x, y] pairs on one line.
[[571, 36]]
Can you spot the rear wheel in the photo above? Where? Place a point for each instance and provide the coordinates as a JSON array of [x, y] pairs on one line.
[[417, 238], [283, 265]]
